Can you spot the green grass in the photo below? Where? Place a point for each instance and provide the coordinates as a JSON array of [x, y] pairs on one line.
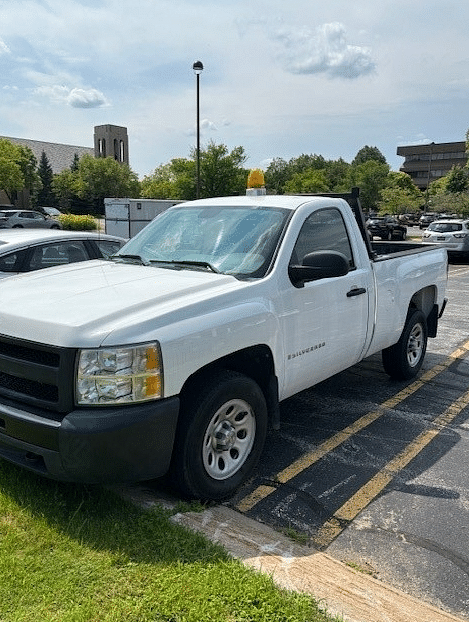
[[74, 553]]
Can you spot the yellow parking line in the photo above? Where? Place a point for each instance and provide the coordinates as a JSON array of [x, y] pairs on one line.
[[353, 506], [308, 459]]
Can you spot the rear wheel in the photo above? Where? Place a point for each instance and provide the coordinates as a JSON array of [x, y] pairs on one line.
[[403, 360], [221, 434]]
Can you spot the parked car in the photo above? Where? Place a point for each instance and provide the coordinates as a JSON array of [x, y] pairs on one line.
[[412, 220], [24, 250], [386, 228], [52, 212], [426, 219], [452, 233], [30, 219]]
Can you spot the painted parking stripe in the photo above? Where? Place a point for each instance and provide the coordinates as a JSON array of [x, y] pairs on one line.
[[358, 502], [308, 459]]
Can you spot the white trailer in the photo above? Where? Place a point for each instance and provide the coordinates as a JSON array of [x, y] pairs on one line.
[[126, 217]]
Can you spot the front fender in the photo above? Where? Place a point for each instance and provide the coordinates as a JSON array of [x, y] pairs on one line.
[[195, 342]]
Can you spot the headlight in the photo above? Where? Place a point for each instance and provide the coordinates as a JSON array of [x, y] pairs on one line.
[[119, 375]]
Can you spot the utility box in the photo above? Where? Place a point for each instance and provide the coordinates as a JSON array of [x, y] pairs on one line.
[[126, 217]]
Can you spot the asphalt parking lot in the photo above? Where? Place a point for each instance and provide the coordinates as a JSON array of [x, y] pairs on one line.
[[375, 472]]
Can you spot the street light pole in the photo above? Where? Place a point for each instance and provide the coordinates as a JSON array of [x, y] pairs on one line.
[[198, 68]]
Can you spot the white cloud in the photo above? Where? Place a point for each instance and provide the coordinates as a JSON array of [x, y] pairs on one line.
[[205, 127], [4, 49], [323, 51], [91, 98], [75, 97], [205, 124]]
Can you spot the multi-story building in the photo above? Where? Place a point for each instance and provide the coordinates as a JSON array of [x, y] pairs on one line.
[[426, 163]]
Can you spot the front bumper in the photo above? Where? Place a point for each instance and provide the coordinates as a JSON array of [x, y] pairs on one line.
[[92, 445]]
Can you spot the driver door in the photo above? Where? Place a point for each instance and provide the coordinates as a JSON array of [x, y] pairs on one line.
[[325, 322]]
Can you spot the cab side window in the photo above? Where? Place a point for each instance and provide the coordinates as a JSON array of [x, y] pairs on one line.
[[108, 247], [57, 254], [323, 230], [11, 262]]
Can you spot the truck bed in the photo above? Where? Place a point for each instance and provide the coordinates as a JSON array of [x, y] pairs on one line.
[[384, 250]]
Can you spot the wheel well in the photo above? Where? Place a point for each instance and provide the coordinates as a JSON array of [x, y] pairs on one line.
[[256, 362], [425, 301]]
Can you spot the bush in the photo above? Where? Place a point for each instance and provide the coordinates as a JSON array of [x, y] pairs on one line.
[[74, 222]]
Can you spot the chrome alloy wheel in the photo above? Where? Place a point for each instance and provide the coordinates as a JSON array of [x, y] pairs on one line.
[[228, 439], [415, 345]]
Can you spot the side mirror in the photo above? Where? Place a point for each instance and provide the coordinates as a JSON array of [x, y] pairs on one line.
[[318, 265]]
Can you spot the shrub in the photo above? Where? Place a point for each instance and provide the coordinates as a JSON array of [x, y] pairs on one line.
[[74, 222]]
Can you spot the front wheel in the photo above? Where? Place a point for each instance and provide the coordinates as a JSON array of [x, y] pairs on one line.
[[403, 360], [221, 434]]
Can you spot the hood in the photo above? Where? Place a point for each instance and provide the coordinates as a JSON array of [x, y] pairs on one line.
[[82, 304]]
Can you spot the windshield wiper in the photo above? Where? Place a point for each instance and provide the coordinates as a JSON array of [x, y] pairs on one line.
[[187, 263], [134, 257]]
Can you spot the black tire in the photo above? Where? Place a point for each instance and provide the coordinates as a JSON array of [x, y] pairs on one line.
[[17, 227], [403, 360], [221, 434], [55, 227]]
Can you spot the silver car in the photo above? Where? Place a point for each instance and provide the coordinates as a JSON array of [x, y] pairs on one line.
[[452, 233], [29, 219], [25, 250]]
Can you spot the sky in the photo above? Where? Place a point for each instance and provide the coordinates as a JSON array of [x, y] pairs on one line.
[[281, 78]]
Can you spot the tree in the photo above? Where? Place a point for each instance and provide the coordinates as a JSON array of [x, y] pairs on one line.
[[75, 163], [366, 154], [65, 188], [309, 181], [305, 162], [279, 173], [370, 177], [11, 177], [46, 195], [84, 190], [159, 185], [336, 174], [276, 175], [105, 177], [400, 195], [457, 180], [24, 158], [221, 174], [451, 203]]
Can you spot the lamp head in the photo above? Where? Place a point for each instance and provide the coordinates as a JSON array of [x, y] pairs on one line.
[[198, 67]]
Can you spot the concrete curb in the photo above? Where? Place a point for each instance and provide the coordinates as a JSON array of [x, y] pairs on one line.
[[343, 591], [356, 596]]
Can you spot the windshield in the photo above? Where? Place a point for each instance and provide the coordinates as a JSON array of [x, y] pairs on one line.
[[445, 227], [240, 241]]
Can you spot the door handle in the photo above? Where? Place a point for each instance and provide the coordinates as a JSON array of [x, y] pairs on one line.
[[356, 291]]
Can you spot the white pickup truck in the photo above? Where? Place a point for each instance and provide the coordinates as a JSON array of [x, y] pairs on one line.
[[173, 356]]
